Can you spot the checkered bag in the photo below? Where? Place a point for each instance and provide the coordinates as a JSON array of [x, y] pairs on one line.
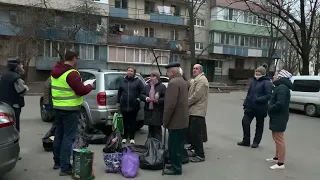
[[112, 162]]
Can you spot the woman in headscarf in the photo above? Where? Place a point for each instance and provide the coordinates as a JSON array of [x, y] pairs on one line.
[[153, 95], [278, 112]]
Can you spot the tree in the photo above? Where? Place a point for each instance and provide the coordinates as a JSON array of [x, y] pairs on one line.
[[298, 15]]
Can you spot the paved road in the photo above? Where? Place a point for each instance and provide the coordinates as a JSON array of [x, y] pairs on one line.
[[224, 159]]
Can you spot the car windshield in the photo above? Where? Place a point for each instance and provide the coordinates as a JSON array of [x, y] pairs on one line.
[[113, 80]]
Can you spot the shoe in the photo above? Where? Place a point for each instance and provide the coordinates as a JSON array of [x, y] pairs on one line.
[[132, 141], [272, 160], [171, 172], [168, 166], [276, 166], [65, 173], [197, 159], [254, 145], [191, 153], [56, 166], [242, 143], [124, 141]]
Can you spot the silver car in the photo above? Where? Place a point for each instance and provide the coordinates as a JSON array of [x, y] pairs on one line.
[[100, 104], [9, 139]]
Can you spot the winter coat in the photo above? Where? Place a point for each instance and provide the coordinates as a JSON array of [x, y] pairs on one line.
[[198, 96], [259, 93], [279, 105], [154, 116], [47, 100], [176, 110], [129, 93]]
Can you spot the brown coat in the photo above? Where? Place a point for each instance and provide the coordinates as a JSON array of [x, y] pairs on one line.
[[176, 111], [198, 96]]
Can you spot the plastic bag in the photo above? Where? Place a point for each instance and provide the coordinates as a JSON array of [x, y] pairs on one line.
[[138, 149], [47, 140], [82, 167], [129, 164], [114, 143], [112, 162], [153, 158], [117, 122], [97, 138]]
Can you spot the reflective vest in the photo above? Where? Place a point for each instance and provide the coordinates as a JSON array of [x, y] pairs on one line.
[[63, 96]]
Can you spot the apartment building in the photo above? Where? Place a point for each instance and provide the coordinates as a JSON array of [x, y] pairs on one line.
[[88, 40], [239, 40]]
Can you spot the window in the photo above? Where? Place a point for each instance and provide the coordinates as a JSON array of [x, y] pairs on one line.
[[173, 58], [86, 52], [236, 40], [239, 64], [121, 4], [231, 39], [223, 38], [306, 85], [225, 13], [217, 38], [218, 64], [245, 17], [230, 14], [87, 76], [149, 7], [148, 32], [241, 40], [175, 9], [199, 22], [198, 46], [175, 35], [13, 17]]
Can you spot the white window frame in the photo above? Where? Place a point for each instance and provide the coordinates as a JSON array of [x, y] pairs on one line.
[[199, 22], [197, 46], [175, 33]]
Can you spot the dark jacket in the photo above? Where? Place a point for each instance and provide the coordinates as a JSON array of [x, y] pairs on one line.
[[176, 109], [8, 93], [154, 116], [47, 100], [129, 93], [259, 93], [279, 105], [73, 79]]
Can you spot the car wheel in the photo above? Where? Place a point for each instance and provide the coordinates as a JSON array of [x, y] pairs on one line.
[[45, 116], [88, 127], [310, 110]]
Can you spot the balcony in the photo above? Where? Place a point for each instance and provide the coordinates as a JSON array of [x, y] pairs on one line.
[[46, 63], [118, 12], [8, 30], [141, 41], [242, 51], [168, 19]]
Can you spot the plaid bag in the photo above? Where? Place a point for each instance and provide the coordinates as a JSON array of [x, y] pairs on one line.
[[112, 162], [117, 122]]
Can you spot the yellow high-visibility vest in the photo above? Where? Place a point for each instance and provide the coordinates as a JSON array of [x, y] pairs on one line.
[[63, 96]]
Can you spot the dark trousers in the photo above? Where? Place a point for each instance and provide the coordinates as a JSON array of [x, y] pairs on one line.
[[246, 122], [66, 129], [176, 148], [196, 134], [155, 132], [129, 124], [17, 112]]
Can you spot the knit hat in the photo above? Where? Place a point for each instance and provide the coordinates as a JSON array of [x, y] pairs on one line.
[[285, 74], [262, 70]]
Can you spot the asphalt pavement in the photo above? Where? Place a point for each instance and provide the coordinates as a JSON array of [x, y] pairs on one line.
[[224, 159]]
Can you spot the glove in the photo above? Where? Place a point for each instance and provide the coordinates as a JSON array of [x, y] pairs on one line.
[[47, 107]]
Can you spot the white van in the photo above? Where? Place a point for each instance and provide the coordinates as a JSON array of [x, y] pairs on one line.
[[305, 94]]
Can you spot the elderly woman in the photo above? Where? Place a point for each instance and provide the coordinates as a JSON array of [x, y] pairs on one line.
[[153, 95]]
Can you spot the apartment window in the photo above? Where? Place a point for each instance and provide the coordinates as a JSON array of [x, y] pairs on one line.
[[246, 17], [227, 39], [13, 17], [223, 38], [236, 40], [239, 64], [198, 46], [121, 4], [225, 13], [217, 38], [173, 58], [86, 52], [175, 35], [246, 41], [253, 41], [241, 40], [149, 7], [175, 10], [148, 32], [231, 39], [259, 42], [218, 64], [199, 22]]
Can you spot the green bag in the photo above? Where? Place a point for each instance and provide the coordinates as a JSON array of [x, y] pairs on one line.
[[82, 164], [117, 122]]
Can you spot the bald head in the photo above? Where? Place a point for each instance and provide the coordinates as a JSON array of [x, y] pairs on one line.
[[197, 69]]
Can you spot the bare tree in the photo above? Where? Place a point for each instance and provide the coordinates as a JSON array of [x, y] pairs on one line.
[[298, 15]]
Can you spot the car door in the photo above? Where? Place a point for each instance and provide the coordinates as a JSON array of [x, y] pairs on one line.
[[91, 97]]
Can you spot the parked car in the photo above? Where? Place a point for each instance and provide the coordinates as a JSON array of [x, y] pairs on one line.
[[305, 94], [9, 139], [100, 104], [164, 80]]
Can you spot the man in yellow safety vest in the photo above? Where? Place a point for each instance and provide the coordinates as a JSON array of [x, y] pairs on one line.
[[67, 90]]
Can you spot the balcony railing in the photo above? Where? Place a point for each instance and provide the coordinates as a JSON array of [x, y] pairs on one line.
[[119, 12], [168, 19]]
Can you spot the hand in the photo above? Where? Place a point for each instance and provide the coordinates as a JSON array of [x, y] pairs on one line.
[[148, 99]]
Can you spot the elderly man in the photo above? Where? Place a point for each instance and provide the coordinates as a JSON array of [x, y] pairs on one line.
[[198, 100], [175, 117]]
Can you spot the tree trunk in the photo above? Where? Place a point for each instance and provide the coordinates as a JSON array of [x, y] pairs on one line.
[[305, 63]]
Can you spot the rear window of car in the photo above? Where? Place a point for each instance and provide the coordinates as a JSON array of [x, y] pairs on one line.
[[112, 81]]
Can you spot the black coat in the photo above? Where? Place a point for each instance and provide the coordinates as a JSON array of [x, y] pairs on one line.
[[259, 93], [154, 116], [129, 93], [279, 105]]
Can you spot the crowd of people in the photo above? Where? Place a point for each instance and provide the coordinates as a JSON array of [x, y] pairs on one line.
[[180, 108]]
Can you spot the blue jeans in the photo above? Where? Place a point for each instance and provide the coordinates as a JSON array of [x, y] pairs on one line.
[[66, 129]]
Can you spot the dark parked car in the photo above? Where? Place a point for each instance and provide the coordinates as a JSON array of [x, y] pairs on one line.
[[9, 139]]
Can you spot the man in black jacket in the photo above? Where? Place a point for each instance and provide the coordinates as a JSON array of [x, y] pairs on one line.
[[13, 88]]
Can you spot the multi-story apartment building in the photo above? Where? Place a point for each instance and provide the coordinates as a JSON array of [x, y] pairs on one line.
[[88, 41], [239, 39]]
